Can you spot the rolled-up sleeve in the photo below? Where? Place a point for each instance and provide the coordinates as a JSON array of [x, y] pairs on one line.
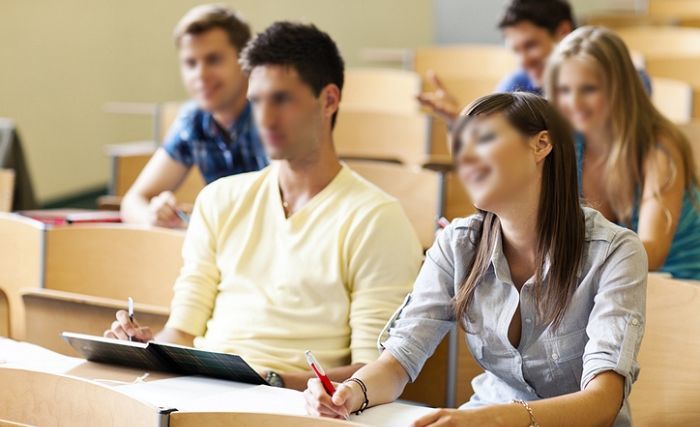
[[419, 326], [616, 323], [196, 288]]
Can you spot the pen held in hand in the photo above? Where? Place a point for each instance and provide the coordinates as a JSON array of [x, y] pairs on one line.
[[320, 373], [183, 216], [130, 305]]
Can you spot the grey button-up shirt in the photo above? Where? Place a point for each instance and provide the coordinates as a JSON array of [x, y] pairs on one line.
[[601, 330]]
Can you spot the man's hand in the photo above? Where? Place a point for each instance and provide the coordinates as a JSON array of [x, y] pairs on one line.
[[123, 328], [163, 211], [441, 102]]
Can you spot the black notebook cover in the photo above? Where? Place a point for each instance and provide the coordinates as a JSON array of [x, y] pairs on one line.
[[163, 357]]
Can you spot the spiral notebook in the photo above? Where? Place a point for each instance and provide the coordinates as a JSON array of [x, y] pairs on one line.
[[158, 356]]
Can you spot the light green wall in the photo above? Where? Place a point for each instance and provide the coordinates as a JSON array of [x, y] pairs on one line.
[[61, 61]]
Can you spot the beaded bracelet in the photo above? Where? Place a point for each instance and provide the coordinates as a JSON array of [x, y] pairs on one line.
[[533, 422], [362, 385]]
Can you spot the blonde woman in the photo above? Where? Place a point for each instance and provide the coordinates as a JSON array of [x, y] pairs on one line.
[[634, 165], [551, 295]]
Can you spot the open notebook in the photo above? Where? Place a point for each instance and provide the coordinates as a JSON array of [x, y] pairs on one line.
[[163, 357]]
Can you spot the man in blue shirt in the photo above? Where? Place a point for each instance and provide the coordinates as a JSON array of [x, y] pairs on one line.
[[215, 131], [531, 29]]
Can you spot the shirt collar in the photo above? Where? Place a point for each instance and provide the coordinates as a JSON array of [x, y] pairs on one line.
[[237, 127], [499, 263]]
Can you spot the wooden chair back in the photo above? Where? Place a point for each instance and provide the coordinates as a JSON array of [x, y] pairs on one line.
[[668, 389], [114, 261], [21, 266], [381, 89]]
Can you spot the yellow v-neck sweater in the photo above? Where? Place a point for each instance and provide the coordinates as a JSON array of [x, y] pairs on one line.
[[267, 287]]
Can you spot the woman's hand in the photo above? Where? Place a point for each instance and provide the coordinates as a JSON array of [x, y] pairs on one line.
[[347, 397], [487, 416]]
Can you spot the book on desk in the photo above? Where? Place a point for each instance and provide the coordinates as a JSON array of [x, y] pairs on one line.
[[158, 356]]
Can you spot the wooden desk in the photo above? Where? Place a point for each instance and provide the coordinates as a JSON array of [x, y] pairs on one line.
[[46, 388], [41, 398]]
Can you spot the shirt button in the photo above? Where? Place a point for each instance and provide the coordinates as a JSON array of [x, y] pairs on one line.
[[555, 356], [635, 322], [528, 320]]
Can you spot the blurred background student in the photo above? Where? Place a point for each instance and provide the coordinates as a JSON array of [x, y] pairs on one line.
[[215, 131], [635, 166]]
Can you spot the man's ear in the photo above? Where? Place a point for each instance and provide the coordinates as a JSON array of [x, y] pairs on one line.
[[330, 99], [541, 146], [563, 30]]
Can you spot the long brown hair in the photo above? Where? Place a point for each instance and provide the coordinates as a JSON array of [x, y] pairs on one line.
[[560, 219], [636, 123]]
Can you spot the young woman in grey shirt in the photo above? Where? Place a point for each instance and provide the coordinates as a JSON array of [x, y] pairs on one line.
[[550, 294]]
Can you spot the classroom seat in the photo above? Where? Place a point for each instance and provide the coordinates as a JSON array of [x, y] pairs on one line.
[[7, 189], [620, 20], [457, 202], [21, 265], [679, 67], [663, 41], [417, 190], [692, 132], [381, 89], [668, 389], [114, 261], [242, 419], [129, 159], [465, 60], [397, 137], [678, 12], [50, 313], [673, 98], [44, 399]]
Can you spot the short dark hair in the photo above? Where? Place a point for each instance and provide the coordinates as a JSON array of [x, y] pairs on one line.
[[547, 14], [206, 17], [310, 51]]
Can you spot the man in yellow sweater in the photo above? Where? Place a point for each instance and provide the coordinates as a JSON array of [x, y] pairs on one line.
[[304, 254]]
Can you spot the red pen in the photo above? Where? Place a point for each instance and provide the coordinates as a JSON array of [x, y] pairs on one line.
[[320, 373]]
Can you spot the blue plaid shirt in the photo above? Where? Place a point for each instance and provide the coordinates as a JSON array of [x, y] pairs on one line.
[[196, 139]]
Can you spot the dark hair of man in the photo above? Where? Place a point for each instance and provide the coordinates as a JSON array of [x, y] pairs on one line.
[[305, 48], [547, 14]]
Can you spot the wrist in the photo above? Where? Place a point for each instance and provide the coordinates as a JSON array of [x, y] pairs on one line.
[[357, 396], [522, 413]]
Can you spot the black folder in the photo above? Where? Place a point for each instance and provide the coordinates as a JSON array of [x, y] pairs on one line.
[[163, 357]]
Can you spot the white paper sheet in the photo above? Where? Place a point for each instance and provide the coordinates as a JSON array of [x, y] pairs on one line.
[[198, 394], [17, 354], [391, 415]]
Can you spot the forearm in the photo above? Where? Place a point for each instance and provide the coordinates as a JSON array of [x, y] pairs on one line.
[[175, 336], [598, 405], [135, 208], [385, 380], [299, 380]]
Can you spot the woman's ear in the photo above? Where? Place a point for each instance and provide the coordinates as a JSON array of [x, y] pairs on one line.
[[541, 146]]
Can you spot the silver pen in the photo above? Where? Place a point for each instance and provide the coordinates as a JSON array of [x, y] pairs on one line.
[[130, 303]]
